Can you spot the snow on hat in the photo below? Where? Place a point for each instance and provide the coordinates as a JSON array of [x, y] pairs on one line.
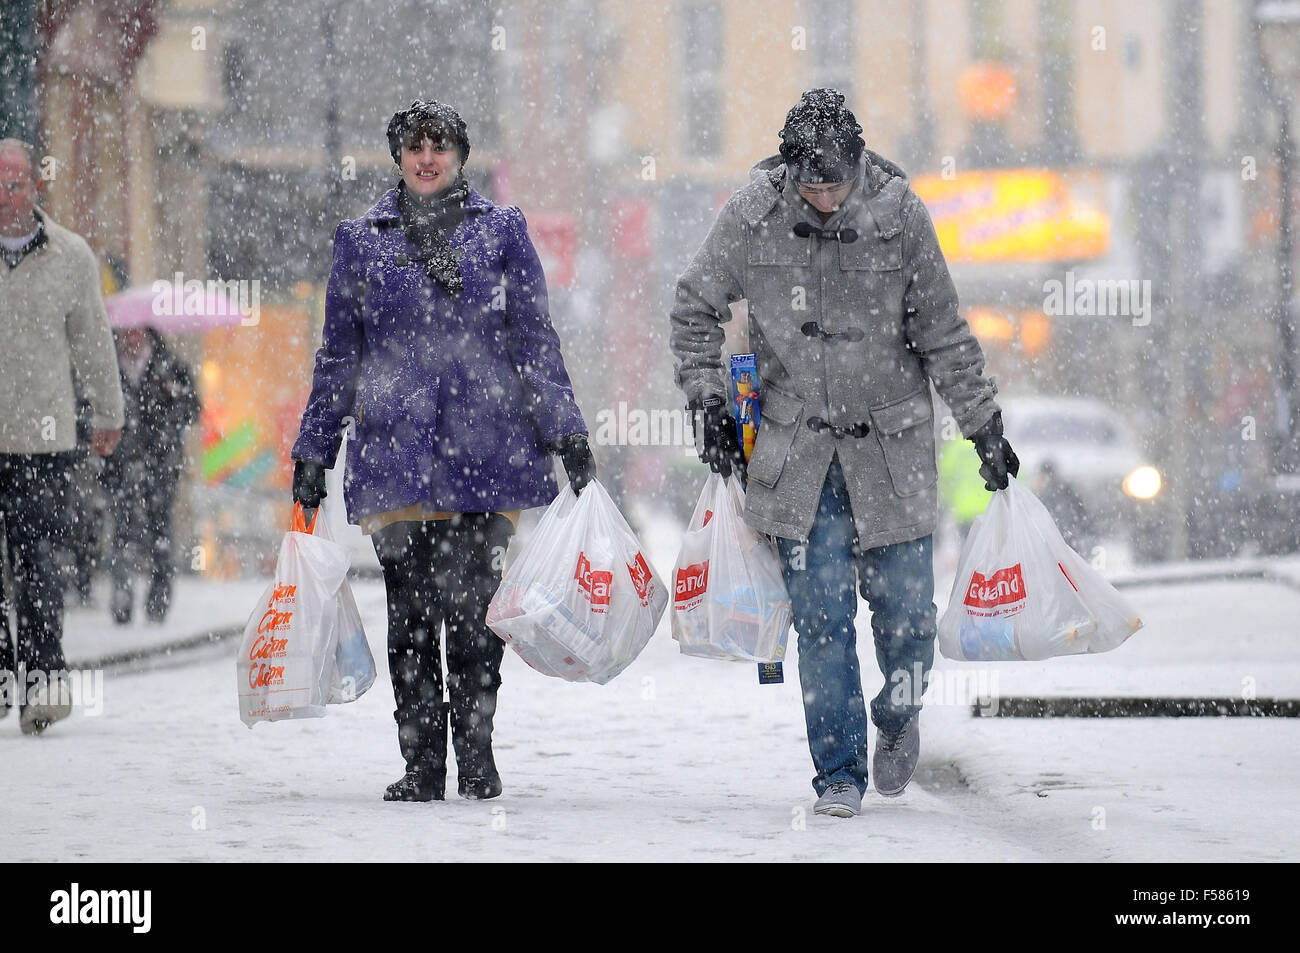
[[428, 116], [821, 141]]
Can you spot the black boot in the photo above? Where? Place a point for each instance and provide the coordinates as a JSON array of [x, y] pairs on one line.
[[159, 599], [471, 732], [478, 780], [468, 579], [120, 603], [84, 585], [423, 740], [420, 783], [483, 783]]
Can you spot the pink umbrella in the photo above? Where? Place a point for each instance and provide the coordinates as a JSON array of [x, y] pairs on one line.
[[185, 305]]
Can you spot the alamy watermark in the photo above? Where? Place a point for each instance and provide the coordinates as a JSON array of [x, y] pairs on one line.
[[237, 296], [947, 686], [80, 688], [77, 905], [1098, 296], [625, 426]]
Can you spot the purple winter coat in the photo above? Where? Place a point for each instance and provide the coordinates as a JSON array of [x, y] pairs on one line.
[[454, 397]]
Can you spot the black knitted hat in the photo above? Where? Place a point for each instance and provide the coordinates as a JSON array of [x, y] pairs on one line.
[[821, 141], [427, 117]]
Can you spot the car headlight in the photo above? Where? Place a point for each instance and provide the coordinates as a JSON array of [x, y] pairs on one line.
[[1143, 483]]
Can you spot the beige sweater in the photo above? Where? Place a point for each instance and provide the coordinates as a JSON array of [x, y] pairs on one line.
[[52, 320]]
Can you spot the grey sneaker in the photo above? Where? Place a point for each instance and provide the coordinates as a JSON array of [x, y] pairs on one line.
[[49, 703], [895, 757], [841, 799]]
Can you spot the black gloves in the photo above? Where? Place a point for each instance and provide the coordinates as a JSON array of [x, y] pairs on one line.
[[996, 456], [308, 483], [718, 445], [576, 457]]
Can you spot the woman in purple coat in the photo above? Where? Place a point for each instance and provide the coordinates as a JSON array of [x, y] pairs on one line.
[[438, 344]]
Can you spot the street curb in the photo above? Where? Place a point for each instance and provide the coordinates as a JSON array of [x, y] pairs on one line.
[[1211, 575], [132, 659], [1127, 706]]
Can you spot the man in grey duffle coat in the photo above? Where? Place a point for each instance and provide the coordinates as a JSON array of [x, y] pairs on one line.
[[852, 314]]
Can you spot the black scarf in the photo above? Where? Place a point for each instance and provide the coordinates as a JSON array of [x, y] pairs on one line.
[[426, 224]]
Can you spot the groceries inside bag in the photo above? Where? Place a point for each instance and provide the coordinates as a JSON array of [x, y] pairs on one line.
[[1021, 593], [286, 662], [729, 599], [353, 670], [580, 601]]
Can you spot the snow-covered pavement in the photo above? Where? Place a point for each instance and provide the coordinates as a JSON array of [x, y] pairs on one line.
[[689, 759], [199, 607]]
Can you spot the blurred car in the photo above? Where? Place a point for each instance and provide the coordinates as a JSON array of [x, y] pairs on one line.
[[1089, 447]]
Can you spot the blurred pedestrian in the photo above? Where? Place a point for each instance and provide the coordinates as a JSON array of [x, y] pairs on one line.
[[961, 489], [85, 512], [1066, 506], [54, 325], [854, 315], [438, 342], [140, 479]]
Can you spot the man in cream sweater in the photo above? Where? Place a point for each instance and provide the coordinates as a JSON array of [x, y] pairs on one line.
[[52, 324]]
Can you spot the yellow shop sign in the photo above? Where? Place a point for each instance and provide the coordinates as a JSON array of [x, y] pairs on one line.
[[1017, 215]]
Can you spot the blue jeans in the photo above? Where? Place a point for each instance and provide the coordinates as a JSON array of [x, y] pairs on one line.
[[822, 576]]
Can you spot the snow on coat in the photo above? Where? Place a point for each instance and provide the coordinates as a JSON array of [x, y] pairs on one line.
[[455, 397], [848, 332], [54, 324]]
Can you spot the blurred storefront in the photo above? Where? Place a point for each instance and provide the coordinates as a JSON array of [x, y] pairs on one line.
[[1007, 235], [202, 138], [253, 383]]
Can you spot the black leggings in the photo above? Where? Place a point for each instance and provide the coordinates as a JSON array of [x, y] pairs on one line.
[[436, 573]]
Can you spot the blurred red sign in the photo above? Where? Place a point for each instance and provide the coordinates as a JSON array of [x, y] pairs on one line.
[[632, 228], [555, 235]]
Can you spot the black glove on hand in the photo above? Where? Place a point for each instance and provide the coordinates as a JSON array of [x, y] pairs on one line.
[[308, 483], [576, 457], [996, 456], [718, 446]]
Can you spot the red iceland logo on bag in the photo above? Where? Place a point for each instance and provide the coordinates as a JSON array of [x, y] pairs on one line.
[[692, 583], [639, 570], [594, 582], [1003, 589]]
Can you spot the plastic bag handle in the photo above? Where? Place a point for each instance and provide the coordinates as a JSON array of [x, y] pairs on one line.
[[300, 524]]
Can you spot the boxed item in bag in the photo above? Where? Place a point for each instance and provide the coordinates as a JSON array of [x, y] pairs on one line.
[[1022, 594], [729, 597], [580, 602]]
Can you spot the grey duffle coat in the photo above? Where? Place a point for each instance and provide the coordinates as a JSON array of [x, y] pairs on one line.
[[848, 335]]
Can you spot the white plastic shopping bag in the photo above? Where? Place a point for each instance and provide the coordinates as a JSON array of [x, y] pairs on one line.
[[353, 671], [354, 665], [729, 599], [286, 658], [580, 601], [1021, 593]]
